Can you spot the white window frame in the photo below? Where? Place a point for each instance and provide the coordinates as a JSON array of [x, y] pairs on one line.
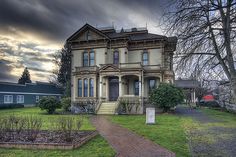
[[20, 99], [37, 98], [7, 99]]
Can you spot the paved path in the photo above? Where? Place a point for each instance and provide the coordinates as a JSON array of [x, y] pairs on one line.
[[212, 141], [127, 143]]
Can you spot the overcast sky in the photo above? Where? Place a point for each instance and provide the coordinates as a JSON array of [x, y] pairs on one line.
[[32, 30]]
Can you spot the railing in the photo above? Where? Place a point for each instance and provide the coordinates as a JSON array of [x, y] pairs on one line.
[[87, 68], [152, 67], [130, 65]]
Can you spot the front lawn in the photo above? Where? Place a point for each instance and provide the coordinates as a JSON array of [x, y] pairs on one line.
[[96, 147], [46, 118], [167, 132]]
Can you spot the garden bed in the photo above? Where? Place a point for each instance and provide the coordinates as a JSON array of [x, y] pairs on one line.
[[46, 139]]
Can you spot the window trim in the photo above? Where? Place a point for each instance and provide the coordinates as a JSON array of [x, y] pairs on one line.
[[78, 93], [85, 88], [91, 88], [92, 51], [116, 51], [149, 87], [8, 102], [146, 60], [37, 98], [22, 99], [136, 94], [88, 51]]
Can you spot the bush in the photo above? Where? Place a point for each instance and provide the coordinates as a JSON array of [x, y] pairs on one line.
[[50, 104], [33, 126], [65, 103], [66, 125], [11, 106], [166, 96]]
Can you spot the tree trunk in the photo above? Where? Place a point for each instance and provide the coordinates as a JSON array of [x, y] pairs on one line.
[[233, 86]]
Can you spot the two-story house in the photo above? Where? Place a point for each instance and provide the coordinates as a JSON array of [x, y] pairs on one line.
[[109, 64]]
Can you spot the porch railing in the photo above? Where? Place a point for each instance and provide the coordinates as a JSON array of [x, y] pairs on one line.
[[87, 68], [130, 65]]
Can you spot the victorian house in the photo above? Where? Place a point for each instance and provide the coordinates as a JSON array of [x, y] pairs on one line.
[[108, 65]]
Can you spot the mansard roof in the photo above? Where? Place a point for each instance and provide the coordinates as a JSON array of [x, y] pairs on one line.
[[133, 34]]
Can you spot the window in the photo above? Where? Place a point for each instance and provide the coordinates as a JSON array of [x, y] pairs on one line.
[[136, 87], [85, 59], [85, 87], [20, 99], [88, 58], [37, 98], [79, 88], [88, 35], [91, 58], [145, 58], [91, 87], [152, 84], [116, 57], [8, 99]]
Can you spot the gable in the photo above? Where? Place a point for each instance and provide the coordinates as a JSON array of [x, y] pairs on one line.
[[109, 67], [87, 32]]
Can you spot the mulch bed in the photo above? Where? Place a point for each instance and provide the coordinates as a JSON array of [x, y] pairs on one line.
[[46, 139]]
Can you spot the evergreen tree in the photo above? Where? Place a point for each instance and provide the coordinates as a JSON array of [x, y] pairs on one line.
[[25, 77], [63, 60]]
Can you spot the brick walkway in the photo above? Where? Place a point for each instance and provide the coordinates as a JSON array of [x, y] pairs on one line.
[[127, 143]]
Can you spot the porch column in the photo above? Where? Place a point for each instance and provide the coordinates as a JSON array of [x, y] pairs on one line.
[[100, 86], [120, 86], [140, 86]]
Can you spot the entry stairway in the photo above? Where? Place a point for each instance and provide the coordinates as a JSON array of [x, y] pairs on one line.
[[107, 108]]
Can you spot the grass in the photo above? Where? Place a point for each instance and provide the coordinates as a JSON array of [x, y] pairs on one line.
[[167, 132], [46, 118], [97, 147]]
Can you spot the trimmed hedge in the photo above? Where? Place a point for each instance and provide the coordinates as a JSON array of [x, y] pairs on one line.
[[11, 106]]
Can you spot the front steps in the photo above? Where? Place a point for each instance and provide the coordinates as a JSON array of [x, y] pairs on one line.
[[107, 108]]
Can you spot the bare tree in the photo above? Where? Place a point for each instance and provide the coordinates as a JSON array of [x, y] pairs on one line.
[[206, 32]]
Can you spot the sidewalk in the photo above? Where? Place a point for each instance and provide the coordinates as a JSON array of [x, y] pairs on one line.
[[127, 143]]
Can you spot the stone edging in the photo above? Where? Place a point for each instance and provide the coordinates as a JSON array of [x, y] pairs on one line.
[[62, 146]]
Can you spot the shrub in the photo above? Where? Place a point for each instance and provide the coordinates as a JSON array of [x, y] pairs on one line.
[[50, 104], [66, 125], [65, 103], [33, 126], [166, 96]]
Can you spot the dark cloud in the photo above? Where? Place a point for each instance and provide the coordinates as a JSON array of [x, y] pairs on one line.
[[40, 70], [6, 68], [55, 20], [59, 18]]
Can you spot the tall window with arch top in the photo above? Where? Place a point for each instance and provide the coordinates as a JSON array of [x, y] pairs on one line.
[[116, 57], [145, 57]]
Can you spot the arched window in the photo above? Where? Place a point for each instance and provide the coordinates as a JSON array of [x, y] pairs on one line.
[[85, 59], [152, 84], [79, 88], [145, 58], [91, 87], [85, 87], [91, 58], [116, 57]]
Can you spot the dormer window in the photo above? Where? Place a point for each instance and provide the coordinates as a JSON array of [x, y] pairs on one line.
[[116, 57], [88, 35], [145, 58]]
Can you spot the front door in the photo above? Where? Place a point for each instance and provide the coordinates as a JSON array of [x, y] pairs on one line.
[[113, 88]]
